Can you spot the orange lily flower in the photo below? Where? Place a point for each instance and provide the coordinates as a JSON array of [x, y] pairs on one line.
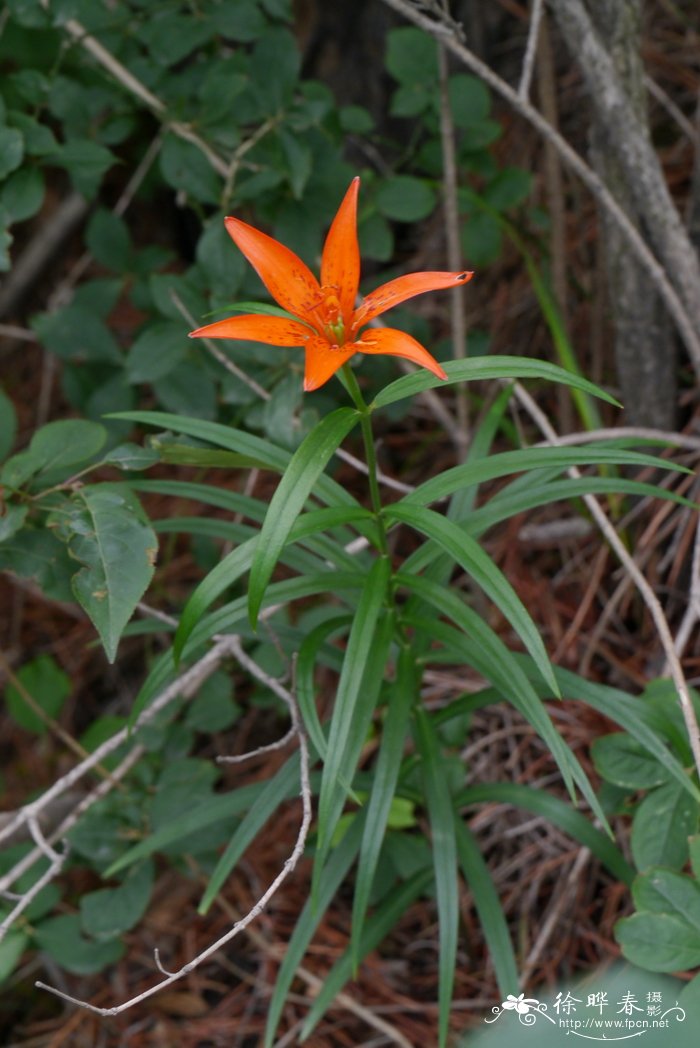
[[328, 324]]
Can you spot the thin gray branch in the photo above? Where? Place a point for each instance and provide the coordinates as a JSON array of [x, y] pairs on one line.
[[684, 320]]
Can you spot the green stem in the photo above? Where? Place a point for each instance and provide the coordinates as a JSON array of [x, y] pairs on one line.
[[353, 389]]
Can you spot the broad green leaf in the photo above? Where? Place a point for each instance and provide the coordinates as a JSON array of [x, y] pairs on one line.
[[308, 461], [661, 826], [109, 912], [46, 683], [350, 712], [625, 762], [405, 198], [217, 808], [556, 811], [56, 446], [86, 162], [442, 831], [384, 779], [470, 556], [478, 368], [470, 100], [184, 167], [77, 333], [107, 532], [107, 237], [62, 939], [665, 891], [660, 942], [11, 150], [156, 351], [493, 922], [12, 520], [23, 193], [380, 924], [8, 424], [12, 947], [411, 55], [271, 795]]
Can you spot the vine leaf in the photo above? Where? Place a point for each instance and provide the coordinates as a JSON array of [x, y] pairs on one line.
[[107, 532]]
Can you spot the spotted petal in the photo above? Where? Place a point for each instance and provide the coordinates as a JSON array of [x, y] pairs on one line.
[[398, 344], [340, 262], [276, 331], [396, 291], [286, 277], [323, 360]]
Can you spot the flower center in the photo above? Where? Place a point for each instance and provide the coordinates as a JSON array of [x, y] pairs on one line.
[[334, 326]]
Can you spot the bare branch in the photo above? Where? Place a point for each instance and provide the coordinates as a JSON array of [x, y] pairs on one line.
[[530, 49], [683, 320]]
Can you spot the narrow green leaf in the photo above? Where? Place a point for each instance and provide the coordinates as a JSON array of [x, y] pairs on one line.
[[362, 644], [257, 448], [442, 829], [265, 309], [556, 811], [384, 780], [239, 560], [629, 712], [307, 463], [304, 678], [478, 368], [214, 809], [469, 555], [309, 919], [507, 462], [493, 922], [484, 650], [269, 798], [386, 917]]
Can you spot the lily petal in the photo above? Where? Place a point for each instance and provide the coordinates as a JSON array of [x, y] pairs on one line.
[[286, 277], [395, 291], [340, 262], [276, 331], [398, 344], [323, 360]]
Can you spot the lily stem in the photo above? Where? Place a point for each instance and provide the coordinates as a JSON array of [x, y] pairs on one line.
[[355, 392]]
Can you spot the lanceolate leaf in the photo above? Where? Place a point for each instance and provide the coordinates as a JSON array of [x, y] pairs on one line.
[[387, 915], [237, 562], [477, 368], [307, 463], [484, 649], [467, 553], [470, 473], [108, 534], [362, 643], [477, 875], [385, 778], [308, 921], [442, 828]]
